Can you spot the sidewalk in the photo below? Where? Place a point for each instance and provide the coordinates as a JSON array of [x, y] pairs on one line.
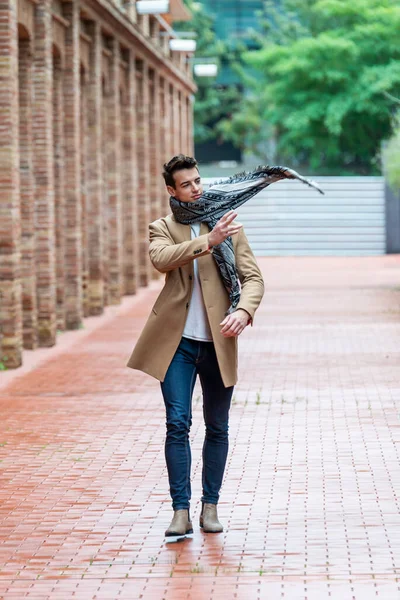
[[311, 498]]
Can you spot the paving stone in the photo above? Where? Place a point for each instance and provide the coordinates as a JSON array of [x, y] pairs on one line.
[[310, 497]]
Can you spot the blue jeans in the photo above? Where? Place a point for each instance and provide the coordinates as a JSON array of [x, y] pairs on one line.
[[192, 358]]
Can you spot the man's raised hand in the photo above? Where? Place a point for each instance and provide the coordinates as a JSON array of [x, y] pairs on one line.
[[224, 228]]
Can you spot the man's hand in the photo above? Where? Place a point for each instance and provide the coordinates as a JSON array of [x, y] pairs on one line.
[[233, 324], [223, 229]]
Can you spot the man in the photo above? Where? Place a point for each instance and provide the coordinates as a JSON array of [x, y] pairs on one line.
[[212, 289]]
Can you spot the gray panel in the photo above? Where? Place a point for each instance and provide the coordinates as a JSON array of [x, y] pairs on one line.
[[355, 200], [322, 240], [272, 207], [330, 212], [307, 252], [290, 219], [320, 244], [392, 221], [279, 230]]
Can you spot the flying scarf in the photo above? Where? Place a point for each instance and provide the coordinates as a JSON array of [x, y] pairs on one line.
[[218, 200]]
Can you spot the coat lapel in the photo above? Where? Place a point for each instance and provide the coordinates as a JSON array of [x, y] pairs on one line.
[[180, 232], [204, 228]]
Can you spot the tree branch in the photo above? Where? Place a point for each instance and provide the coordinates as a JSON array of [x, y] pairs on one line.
[[391, 97]]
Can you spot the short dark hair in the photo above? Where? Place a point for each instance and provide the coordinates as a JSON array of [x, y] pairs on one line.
[[177, 163]]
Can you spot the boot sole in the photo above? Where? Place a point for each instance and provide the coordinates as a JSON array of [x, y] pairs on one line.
[[208, 531], [170, 538]]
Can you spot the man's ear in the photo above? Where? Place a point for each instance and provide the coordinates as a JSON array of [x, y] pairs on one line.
[[171, 190]]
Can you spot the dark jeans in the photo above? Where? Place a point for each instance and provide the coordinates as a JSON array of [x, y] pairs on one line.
[[192, 358]]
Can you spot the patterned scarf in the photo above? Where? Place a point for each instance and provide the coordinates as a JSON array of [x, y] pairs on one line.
[[218, 200]]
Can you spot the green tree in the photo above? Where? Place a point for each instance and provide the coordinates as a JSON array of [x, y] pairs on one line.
[[391, 156], [212, 101], [325, 74]]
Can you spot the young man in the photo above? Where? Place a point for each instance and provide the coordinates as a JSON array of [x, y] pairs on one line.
[[193, 329]]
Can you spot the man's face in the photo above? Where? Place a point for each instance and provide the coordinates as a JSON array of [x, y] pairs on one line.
[[188, 187]]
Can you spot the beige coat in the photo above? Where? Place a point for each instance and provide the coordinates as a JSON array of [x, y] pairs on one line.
[[172, 252]]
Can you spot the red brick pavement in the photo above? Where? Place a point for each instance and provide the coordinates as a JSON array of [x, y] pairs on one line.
[[310, 499]]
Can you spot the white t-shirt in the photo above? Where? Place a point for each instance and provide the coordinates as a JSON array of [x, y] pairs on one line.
[[197, 326]]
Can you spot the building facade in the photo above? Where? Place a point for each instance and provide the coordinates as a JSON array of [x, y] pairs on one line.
[[234, 19], [233, 22], [92, 102]]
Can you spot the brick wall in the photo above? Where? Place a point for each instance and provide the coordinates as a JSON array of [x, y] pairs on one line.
[[73, 206], [59, 190], [10, 214], [27, 196], [43, 165], [95, 173], [130, 180], [98, 105]]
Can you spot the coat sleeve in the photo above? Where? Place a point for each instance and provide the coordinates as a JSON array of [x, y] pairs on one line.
[[166, 255], [250, 276]]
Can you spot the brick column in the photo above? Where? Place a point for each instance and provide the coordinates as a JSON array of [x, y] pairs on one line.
[[155, 167], [176, 122], [73, 241], [164, 140], [144, 24], [155, 149], [168, 115], [179, 112], [162, 119], [44, 174], [10, 233], [187, 124], [184, 124], [59, 189], [190, 132], [113, 158], [130, 183], [95, 182], [131, 11], [27, 196], [84, 143], [143, 162], [155, 31], [182, 145], [191, 125], [105, 141]]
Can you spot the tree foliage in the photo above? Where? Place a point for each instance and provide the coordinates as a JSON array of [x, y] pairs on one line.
[[324, 76], [391, 157], [212, 101]]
